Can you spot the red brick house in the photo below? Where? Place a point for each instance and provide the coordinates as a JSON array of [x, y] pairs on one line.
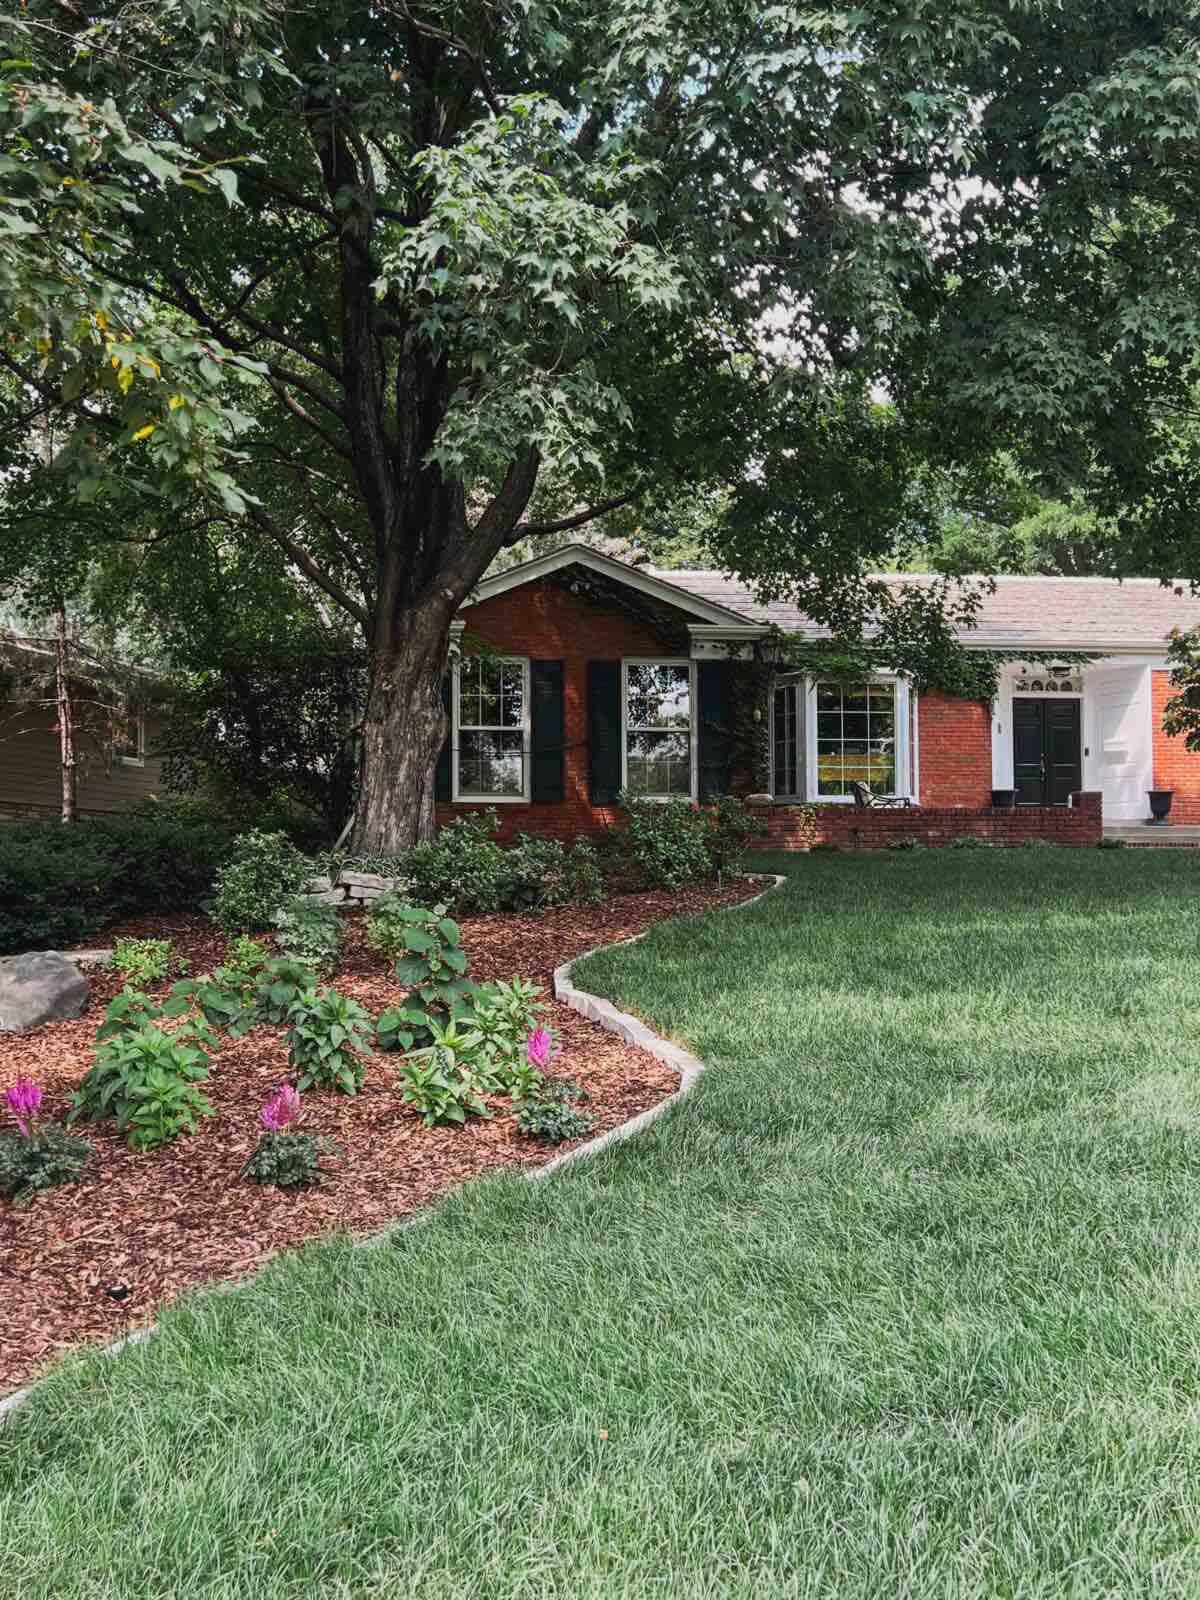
[[596, 676]]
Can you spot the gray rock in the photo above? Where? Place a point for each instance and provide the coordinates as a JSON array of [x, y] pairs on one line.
[[318, 886], [42, 986], [328, 897], [366, 880], [359, 891]]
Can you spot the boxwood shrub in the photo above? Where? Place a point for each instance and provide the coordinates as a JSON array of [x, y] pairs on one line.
[[61, 883]]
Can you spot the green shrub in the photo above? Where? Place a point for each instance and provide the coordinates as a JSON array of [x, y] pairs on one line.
[[907, 841], [263, 872], [442, 1082], [142, 961], [192, 810], [289, 1160], [501, 1016], [279, 985], [432, 966], [533, 874], [550, 1116], [1109, 843], [666, 842], [60, 884], [328, 1035], [730, 830], [969, 841], [127, 1012], [146, 1079], [310, 931], [49, 1157], [462, 867], [583, 874]]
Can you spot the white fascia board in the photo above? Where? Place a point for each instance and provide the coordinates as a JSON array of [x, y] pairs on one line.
[[568, 555]]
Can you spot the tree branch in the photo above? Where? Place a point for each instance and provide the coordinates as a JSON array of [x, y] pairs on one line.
[[301, 559], [525, 530]]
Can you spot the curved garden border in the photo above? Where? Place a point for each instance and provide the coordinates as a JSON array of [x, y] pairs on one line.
[[634, 1032], [591, 1006]]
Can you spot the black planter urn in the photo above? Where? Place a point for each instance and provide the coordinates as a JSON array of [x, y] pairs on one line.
[[1003, 799], [1160, 804]]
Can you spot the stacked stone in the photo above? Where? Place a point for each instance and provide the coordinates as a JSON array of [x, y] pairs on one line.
[[350, 888]]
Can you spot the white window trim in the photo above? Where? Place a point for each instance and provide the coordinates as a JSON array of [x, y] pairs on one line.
[[456, 795], [794, 681], [904, 754], [138, 760], [693, 739]]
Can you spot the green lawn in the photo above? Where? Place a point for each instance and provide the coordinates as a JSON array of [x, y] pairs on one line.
[[904, 1301]]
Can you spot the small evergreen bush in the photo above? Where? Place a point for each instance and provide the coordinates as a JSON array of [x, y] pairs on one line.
[[667, 842]]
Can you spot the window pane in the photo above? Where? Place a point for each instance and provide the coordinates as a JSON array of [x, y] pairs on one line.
[[490, 763], [856, 730], [491, 694], [659, 763], [659, 696]]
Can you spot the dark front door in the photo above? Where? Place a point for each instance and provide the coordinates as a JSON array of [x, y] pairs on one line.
[[1046, 751]]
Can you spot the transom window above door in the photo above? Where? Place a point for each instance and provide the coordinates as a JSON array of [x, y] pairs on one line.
[[659, 729], [491, 722]]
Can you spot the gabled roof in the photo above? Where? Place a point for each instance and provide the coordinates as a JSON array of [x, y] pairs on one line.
[[1051, 613], [646, 580]]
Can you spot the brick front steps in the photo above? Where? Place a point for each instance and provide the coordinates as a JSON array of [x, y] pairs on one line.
[[1139, 836]]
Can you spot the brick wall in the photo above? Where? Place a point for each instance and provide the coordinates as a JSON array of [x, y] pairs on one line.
[[955, 751], [546, 622], [844, 825], [1175, 766]]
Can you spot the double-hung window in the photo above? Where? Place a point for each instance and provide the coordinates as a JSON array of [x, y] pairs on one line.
[[658, 713], [491, 728]]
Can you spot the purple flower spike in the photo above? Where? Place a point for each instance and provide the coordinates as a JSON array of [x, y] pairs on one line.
[[24, 1100], [540, 1048], [282, 1108]]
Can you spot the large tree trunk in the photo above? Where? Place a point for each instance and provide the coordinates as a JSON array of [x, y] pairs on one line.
[[402, 735]]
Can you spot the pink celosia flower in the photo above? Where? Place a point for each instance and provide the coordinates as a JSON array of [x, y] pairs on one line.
[[540, 1048], [283, 1107], [24, 1100]]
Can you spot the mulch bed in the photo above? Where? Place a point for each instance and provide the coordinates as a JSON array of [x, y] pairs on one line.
[[160, 1223]]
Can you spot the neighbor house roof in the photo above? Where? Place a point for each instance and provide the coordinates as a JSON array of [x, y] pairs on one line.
[[1102, 614]]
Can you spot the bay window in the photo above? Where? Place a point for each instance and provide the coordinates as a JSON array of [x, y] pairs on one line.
[[490, 745], [658, 715], [828, 736]]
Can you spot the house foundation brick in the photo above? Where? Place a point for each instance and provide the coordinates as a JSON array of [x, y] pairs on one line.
[[787, 828]]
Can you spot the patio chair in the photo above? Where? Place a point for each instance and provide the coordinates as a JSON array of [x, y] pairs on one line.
[[865, 799]]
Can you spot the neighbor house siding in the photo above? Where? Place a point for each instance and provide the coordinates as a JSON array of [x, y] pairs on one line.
[[31, 776], [546, 622], [1175, 766]]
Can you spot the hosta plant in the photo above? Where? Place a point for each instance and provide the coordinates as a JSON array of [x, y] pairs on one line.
[[146, 1079], [40, 1155], [328, 1036]]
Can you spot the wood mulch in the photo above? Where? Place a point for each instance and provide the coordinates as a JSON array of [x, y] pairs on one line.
[[160, 1223]]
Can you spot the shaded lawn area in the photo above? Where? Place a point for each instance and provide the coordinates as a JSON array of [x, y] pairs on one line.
[[905, 1300]]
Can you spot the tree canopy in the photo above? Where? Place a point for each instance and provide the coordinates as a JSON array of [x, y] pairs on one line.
[[396, 286]]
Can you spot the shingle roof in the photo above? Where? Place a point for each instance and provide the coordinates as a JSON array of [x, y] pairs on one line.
[[1067, 612]]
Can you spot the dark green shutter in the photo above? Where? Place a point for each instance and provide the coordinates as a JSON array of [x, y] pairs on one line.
[[716, 727], [441, 773], [548, 734], [604, 731]]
